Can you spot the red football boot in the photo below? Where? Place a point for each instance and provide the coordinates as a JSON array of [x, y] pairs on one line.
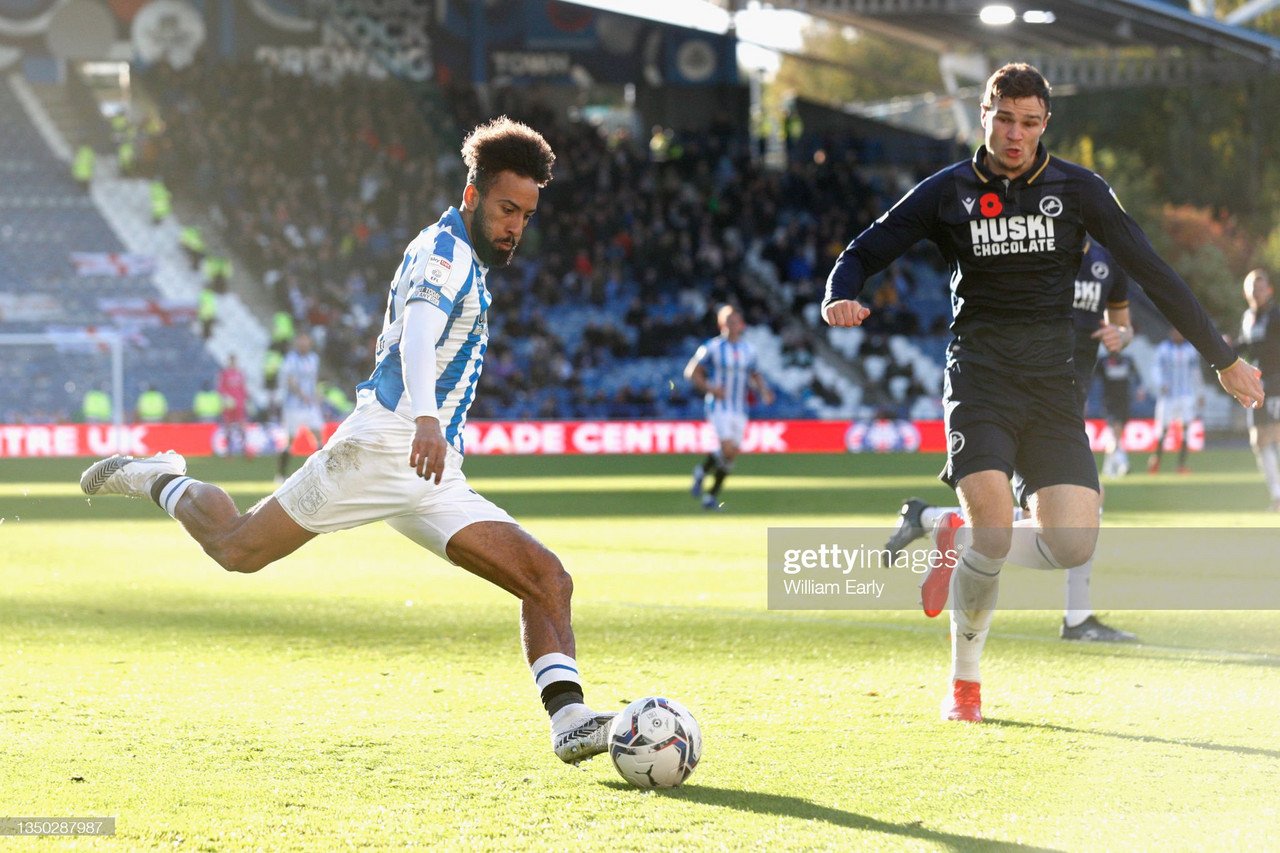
[[937, 583], [965, 702]]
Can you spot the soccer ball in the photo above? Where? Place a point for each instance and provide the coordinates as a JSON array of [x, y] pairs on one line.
[[655, 743]]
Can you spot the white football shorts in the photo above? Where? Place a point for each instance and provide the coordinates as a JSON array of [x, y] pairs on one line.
[[1169, 409], [729, 426], [362, 475]]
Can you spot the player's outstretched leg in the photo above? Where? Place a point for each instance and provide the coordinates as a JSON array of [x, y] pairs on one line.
[[238, 542], [506, 555]]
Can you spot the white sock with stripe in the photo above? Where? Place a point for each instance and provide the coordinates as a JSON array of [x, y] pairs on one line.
[[975, 586], [172, 491], [556, 676]]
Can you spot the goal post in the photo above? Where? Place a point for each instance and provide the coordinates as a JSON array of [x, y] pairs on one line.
[[110, 339]]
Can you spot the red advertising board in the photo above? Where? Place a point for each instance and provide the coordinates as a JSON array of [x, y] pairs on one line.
[[552, 438]]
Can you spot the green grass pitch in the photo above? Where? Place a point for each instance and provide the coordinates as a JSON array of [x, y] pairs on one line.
[[363, 694]]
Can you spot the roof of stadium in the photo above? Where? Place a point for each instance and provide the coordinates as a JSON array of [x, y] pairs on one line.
[[1080, 45], [1090, 43]]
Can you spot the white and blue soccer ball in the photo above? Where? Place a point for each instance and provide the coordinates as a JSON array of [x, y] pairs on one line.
[[655, 743]]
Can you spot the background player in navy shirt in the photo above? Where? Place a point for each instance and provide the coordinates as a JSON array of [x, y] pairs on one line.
[[1011, 224]]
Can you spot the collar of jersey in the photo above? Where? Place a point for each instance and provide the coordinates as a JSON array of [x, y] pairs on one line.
[[979, 164], [452, 220]]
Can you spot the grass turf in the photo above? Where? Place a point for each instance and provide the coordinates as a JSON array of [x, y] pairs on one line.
[[362, 693]]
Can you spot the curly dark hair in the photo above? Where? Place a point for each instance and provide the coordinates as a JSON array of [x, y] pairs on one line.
[[1016, 80], [505, 145]]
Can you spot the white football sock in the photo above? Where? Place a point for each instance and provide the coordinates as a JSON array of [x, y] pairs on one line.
[[1269, 462], [1028, 548], [1079, 601], [174, 490], [929, 515], [975, 586]]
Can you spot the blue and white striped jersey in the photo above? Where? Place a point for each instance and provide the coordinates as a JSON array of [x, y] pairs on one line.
[[303, 373], [1178, 370], [729, 366], [439, 267]]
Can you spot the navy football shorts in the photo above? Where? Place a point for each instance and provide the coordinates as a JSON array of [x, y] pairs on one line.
[[1028, 427]]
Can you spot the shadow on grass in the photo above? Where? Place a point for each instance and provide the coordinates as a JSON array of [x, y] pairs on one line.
[[1196, 744], [802, 809], [1190, 654], [336, 622]]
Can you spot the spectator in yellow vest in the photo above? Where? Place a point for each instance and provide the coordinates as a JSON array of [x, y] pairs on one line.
[[161, 202], [207, 312], [217, 272], [152, 406], [82, 166], [281, 331], [96, 407], [337, 400], [207, 404], [192, 245], [126, 158]]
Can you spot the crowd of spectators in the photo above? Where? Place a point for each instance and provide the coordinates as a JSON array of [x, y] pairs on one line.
[[319, 186]]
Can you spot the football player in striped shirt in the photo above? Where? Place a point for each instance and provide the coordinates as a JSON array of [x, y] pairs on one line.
[[1179, 395], [398, 457], [722, 370], [300, 405]]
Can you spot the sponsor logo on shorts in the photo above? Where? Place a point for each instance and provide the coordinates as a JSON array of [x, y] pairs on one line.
[[955, 442]]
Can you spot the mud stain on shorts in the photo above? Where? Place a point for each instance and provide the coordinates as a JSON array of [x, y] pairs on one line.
[[342, 457]]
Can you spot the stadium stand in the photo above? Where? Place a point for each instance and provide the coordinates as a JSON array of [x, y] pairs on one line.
[[43, 288], [628, 259]]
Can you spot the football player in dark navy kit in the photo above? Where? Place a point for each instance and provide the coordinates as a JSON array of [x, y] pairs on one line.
[[1011, 224], [1100, 315], [1260, 340]]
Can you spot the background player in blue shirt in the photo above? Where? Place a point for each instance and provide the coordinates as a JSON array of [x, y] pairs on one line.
[[722, 370], [1179, 395], [1011, 224]]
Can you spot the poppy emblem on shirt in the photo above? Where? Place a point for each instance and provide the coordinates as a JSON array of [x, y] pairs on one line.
[[990, 205]]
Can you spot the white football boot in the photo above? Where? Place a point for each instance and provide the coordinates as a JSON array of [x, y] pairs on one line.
[[581, 736], [129, 475]]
